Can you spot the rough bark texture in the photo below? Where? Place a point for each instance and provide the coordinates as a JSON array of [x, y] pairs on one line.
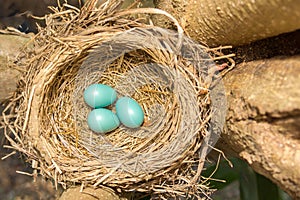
[[263, 121], [233, 22], [89, 194], [10, 46]]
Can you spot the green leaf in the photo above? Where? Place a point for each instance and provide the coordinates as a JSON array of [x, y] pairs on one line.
[[267, 190], [252, 186], [224, 173], [248, 184]]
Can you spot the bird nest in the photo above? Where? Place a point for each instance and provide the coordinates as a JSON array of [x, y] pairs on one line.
[[169, 75]]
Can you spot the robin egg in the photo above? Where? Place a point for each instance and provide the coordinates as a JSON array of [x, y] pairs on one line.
[[102, 120], [130, 113], [99, 95]]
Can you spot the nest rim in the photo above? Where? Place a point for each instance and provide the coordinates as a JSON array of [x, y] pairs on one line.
[[32, 100]]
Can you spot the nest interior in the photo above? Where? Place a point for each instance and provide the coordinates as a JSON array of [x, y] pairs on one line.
[[169, 75]]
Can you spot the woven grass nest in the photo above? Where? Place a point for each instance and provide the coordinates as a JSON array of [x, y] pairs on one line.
[[170, 76]]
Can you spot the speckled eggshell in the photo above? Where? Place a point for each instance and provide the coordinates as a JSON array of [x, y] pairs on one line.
[[102, 120], [130, 113], [99, 95]]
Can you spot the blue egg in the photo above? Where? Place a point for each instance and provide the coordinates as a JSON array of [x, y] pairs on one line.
[[99, 95], [130, 113], [102, 120]]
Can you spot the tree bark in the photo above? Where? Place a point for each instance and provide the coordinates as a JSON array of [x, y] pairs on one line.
[[10, 47], [263, 120], [232, 22], [90, 194]]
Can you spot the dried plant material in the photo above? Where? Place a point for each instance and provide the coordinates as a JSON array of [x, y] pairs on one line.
[[172, 78]]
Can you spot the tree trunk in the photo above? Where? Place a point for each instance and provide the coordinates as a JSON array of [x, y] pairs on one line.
[[232, 22], [10, 47], [263, 120], [90, 194]]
